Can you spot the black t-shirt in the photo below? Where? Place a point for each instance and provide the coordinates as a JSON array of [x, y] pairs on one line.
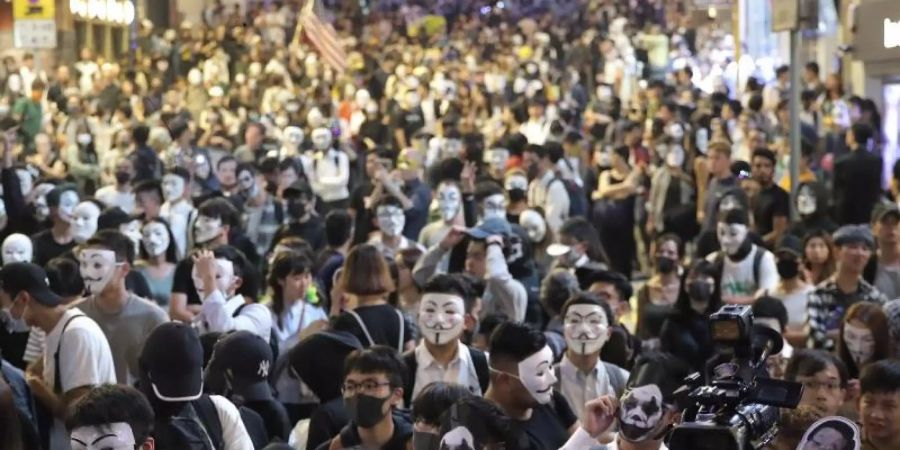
[[274, 417], [382, 322], [403, 432], [312, 231], [770, 202], [255, 426], [362, 224], [409, 121], [548, 427], [46, 248], [326, 422]]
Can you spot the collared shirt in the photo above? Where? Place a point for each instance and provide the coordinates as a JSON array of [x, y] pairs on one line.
[[332, 170], [578, 387], [217, 316], [294, 320], [828, 304], [460, 370]]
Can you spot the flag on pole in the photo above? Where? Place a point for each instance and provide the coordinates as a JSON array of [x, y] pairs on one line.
[[322, 37]]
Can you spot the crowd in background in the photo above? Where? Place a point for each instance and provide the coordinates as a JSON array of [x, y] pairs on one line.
[[501, 225]]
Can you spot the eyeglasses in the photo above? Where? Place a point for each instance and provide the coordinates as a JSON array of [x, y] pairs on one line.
[[350, 388]]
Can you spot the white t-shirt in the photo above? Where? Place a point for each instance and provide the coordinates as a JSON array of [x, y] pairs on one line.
[[234, 434], [85, 359], [110, 196], [795, 303], [738, 279]]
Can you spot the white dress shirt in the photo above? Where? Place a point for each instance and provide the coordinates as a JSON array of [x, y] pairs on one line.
[[293, 321], [578, 387], [332, 170], [461, 370], [217, 313]]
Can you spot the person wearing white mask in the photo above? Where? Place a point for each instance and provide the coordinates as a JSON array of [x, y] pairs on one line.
[[111, 417], [331, 167], [60, 238], [581, 374], [449, 205], [447, 309], [390, 218], [291, 139], [84, 220], [17, 248], [408, 120], [746, 267], [667, 178], [177, 208], [157, 263]]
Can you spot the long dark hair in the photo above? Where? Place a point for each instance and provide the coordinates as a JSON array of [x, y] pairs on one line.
[[285, 265], [579, 229], [700, 267], [171, 252]]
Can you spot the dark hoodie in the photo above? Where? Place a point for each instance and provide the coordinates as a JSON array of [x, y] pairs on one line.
[[685, 333]]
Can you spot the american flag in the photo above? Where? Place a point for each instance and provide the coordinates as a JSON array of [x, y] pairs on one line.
[[322, 37]]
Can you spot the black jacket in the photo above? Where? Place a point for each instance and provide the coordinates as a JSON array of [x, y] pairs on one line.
[[857, 186]]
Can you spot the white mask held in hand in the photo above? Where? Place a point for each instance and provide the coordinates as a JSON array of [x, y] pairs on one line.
[[449, 200], [806, 201], [860, 343], [495, 206], [133, 231], [536, 374], [206, 229], [156, 239], [67, 203], [172, 187], [441, 317], [321, 138], [224, 277], [17, 248], [391, 220], [641, 413], [586, 328], [97, 267], [114, 436], [731, 236], [84, 221]]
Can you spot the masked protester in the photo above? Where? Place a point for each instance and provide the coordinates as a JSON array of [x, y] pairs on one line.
[[864, 337], [391, 220], [178, 209], [656, 299], [813, 206], [447, 309], [111, 416], [372, 389], [792, 289], [686, 332], [582, 375], [331, 171], [449, 202], [60, 238], [302, 219], [745, 266], [522, 380], [119, 194], [428, 408]]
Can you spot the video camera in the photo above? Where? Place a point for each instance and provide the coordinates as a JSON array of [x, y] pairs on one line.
[[739, 407]]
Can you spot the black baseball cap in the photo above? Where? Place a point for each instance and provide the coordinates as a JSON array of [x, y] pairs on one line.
[[173, 361], [31, 278], [790, 244], [249, 360]]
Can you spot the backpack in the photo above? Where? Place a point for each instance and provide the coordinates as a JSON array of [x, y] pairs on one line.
[[273, 339], [578, 203], [757, 261], [479, 360], [195, 427]]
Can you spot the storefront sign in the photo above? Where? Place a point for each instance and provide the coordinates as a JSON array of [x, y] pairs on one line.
[[877, 35], [891, 33], [34, 24], [116, 11]]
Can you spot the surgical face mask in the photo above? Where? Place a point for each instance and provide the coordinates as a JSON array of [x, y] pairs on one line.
[[281, 121], [206, 229], [172, 187], [84, 138], [366, 410], [449, 200], [641, 413], [17, 248], [26, 182], [84, 221], [860, 343], [586, 328], [731, 236], [155, 237], [665, 265], [114, 436], [700, 293], [495, 206], [321, 138], [806, 201], [67, 203], [536, 374], [534, 225], [391, 220], [441, 317], [97, 267], [224, 277]]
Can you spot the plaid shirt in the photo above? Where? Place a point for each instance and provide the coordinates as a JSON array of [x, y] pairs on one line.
[[827, 305]]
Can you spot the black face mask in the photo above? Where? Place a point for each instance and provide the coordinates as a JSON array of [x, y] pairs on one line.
[[516, 195], [365, 410], [787, 268], [123, 177], [296, 208], [665, 265]]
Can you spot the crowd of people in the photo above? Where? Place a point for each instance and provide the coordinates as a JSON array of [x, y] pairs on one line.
[[500, 225]]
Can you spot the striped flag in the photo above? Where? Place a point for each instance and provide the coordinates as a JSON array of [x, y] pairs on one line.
[[322, 37]]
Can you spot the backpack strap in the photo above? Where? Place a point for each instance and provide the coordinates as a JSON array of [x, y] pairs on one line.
[[57, 383], [757, 262], [362, 326], [209, 418], [479, 360], [616, 378], [411, 367], [401, 341]]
